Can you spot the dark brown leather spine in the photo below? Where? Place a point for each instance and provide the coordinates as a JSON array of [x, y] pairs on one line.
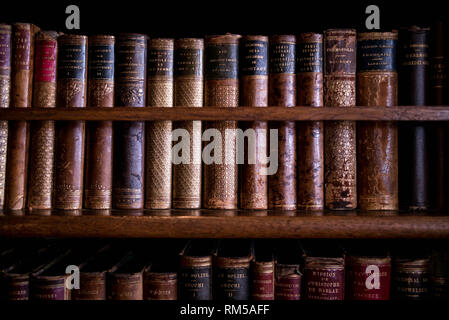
[[324, 278], [21, 96], [410, 279], [71, 93], [288, 280], [195, 278], [377, 142], [5, 90], [160, 286], [100, 93], [310, 133], [221, 90], [129, 137], [340, 136], [125, 286], [282, 92], [188, 92], [43, 132], [158, 168], [254, 93], [92, 286], [413, 73], [232, 279]]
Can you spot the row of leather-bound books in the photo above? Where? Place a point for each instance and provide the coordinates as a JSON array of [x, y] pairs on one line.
[[128, 165], [223, 270]]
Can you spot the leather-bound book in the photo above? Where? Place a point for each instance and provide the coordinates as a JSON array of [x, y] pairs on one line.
[[254, 93], [413, 77], [129, 137], [126, 282], [262, 271], [439, 278], [42, 147], [340, 172], [310, 133], [5, 90], [288, 273], [160, 281], [377, 142], [188, 92], [282, 92], [21, 96], [100, 93], [221, 89], [69, 151], [158, 168], [410, 278]]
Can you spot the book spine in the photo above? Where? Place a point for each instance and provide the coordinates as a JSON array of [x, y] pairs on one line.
[[71, 93], [49, 288], [324, 278], [413, 90], [92, 287], [43, 132], [16, 287], [195, 278], [340, 136], [221, 89], [5, 90], [254, 93], [282, 92], [310, 133], [125, 286], [410, 279], [18, 135], [129, 137], [288, 282], [368, 278], [188, 92], [232, 280], [100, 93], [262, 280], [377, 142], [159, 133], [160, 286]]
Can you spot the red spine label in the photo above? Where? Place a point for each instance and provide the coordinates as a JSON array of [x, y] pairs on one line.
[[263, 286], [369, 281], [45, 63], [325, 284], [289, 287]]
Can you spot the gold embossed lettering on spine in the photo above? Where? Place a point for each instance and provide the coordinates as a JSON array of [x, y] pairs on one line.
[[43, 132], [188, 92], [5, 88], [221, 90], [340, 136], [377, 142], [310, 133], [71, 93], [159, 133]]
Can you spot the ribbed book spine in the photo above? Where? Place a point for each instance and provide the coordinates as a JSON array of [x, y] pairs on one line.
[[43, 132], [195, 278], [71, 93], [410, 279], [282, 92], [188, 92], [324, 278], [129, 137], [310, 133], [340, 173], [377, 142], [221, 90], [100, 93], [160, 286], [158, 166]]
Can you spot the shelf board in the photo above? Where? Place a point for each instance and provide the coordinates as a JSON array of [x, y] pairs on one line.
[[402, 113], [222, 224]]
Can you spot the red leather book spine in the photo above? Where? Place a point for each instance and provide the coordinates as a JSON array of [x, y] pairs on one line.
[[324, 278], [262, 280], [288, 282]]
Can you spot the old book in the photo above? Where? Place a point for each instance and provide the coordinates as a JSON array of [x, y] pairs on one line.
[[377, 142], [439, 275], [69, 151], [221, 89], [254, 93], [410, 278], [310, 133], [158, 168], [5, 90], [100, 93], [413, 73], [288, 271], [282, 92], [160, 280], [129, 137], [340, 173], [21, 96], [188, 92], [262, 271], [42, 147]]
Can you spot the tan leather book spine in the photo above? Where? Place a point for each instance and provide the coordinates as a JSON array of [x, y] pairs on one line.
[[160, 286], [282, 92], [100, 93], [125, 286], [159, 133], [377, 142], [21, 96], [5, 91], [43, 132], [254, 93], [221, 89], [71, 93], [188, 92], [310, 133], [340, 136]]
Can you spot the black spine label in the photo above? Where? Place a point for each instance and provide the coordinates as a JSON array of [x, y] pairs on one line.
[[232, 284], [282, 58], [415, 51], [188, 62], [72, 62], [131, 62], [376, 55], [101, 62], [196, 283], [160, 63], [254, 58], [221, 61], [309, 57]]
